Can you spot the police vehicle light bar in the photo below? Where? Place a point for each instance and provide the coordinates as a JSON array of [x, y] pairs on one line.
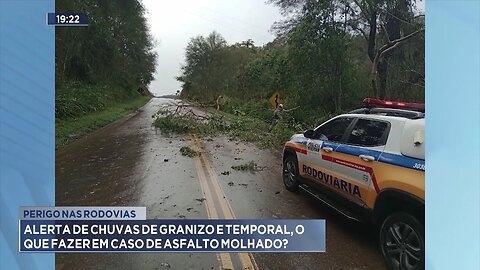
[[378, 103]]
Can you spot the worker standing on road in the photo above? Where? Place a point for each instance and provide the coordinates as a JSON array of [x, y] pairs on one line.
[[277, 116], [220, 102], [278, 113]]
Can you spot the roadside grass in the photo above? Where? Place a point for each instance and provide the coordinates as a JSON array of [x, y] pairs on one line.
[[240, 127], [72, 128], [74, 99]]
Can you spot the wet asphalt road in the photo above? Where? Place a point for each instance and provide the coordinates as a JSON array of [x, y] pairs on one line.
[[130, 163]]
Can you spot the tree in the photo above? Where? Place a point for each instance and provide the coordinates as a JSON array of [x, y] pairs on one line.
[[394, 17], [382, 53], [318, 51], [248, 43], [199, 55], [385, 25], [200, 51], [116, 47]]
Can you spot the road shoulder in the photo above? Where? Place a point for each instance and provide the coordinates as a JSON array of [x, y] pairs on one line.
[[70, 129]]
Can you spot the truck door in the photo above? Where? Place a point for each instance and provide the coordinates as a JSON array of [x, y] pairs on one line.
[[326, 139], [354, 161]]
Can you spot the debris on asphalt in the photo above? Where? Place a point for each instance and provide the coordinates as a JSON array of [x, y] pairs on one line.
[[189, 152], [251, 166], [164, 264]]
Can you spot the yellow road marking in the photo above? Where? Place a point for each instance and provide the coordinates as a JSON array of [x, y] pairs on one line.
[[219, 192], [224, 258], [211, 211], [246, 259]]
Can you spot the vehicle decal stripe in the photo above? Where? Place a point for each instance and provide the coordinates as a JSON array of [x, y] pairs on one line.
[[403, 161], [303, 142], [297, 149], [356, 166], [357, 151], [388, 158]]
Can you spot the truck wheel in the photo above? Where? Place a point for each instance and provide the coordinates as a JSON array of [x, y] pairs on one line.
[[290, 173], [402, 240]]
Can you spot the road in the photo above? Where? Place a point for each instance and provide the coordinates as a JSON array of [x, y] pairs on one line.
[[130, 163]]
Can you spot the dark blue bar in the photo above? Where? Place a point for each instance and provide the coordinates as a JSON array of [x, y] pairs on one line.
[[291, 236], [67, 19]]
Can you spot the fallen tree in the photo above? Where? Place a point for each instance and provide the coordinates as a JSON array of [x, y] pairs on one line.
[[187, 118]]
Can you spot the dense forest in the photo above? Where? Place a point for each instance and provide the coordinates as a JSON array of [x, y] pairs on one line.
[[328, 55], [106, 62]]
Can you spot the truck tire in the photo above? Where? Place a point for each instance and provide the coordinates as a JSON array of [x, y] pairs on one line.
[[290, 173], [402, 240]]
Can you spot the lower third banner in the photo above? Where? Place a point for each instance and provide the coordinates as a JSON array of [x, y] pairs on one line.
[[172, 235]]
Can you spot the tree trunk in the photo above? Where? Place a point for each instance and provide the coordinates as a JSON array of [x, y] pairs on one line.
[[371, 48], [372, 35], [374, 75], [379, 64], [382, 78], [339, 97]]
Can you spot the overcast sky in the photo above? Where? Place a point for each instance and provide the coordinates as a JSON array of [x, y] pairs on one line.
[[173, 23]]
